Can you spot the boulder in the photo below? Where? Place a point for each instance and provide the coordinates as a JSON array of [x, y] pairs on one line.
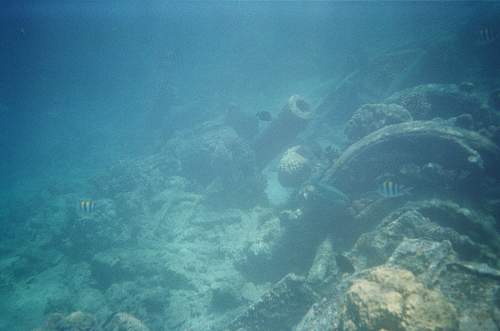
[[386, 298], [376, 247]]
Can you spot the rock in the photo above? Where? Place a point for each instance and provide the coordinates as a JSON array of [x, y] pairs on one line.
[[371, 117], [474, 290], [430, 248], [393, 299], [390, 149], [324, 269], [424, 258], [323, 316], [263, 252], [123, 322], [279, 309], [294, 168], [478, 237], [375, 248], [471, 233], [481, 270]]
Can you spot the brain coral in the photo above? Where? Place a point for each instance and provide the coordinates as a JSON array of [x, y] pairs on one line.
[[293, 168]]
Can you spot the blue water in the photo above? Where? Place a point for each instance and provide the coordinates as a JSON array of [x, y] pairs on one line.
[[100, 100]]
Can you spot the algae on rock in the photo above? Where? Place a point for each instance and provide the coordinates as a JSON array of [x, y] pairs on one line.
[[393, 299]]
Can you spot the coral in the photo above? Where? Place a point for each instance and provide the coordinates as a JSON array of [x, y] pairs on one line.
[[371, 117], [293, 168], [393, 299], [438, 100]]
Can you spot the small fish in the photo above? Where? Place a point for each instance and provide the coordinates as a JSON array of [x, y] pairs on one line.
[[486, 35], [264, 116], [87, 206], [344, 264], [391, 189]]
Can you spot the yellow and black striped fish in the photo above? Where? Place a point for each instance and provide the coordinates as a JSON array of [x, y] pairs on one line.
[[87, 206], [391, 189]]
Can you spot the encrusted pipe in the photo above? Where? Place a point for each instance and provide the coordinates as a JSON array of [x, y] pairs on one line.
[[292, 119]]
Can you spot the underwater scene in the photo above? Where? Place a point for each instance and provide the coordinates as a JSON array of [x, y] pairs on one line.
[[249, 166]]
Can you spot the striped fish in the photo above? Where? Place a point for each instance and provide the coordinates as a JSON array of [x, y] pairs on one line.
[[391, 189], [87, 206]]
